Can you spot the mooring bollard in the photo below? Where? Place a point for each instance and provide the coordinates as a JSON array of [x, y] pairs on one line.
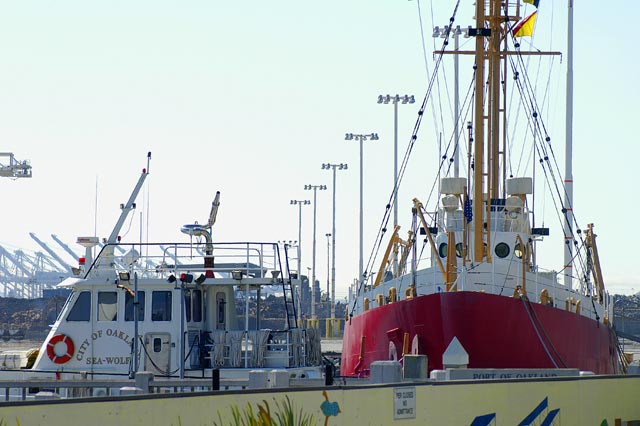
[[143, 380], [215, 379], [328, 374]]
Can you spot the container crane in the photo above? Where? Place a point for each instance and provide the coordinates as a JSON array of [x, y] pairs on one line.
[[13, 168]]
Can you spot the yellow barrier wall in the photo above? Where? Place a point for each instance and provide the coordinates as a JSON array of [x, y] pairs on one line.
[[588, 401]]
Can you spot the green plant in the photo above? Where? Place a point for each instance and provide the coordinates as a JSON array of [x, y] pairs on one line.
[[284, 415]]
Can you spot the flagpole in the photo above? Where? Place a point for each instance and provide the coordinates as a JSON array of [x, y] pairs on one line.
[[568, 163]]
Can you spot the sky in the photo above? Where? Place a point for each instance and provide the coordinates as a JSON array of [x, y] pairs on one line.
[[250, 98]]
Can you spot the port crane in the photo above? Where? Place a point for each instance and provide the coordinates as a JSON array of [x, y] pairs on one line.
[[12, 168]]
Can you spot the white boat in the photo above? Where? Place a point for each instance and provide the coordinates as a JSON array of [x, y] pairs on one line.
[[198, 310]]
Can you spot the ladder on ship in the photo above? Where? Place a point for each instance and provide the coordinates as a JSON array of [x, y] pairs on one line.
[[288, 294]]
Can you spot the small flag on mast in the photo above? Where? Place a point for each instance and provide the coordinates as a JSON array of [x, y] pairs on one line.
[[468, 212], [525, 27]]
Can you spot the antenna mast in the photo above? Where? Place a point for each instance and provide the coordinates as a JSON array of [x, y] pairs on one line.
[[568, 163]]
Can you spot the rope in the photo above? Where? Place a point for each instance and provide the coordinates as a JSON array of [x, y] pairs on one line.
[[529, 309], [539, 337], [546, 153]]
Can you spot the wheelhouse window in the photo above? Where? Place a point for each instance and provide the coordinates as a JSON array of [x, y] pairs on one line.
[[81, 310], [107, 306], [161, 306], [128, 306], [193, 305]]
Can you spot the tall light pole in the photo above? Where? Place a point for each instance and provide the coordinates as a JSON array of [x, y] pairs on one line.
[[455, 32], [361, 138], [328, 235], [300, 203], [334, 167], [397, 99], [315, 189]]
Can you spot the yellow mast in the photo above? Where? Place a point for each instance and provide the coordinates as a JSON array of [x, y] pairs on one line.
[[590, 242], [478, 171], [488, 47]]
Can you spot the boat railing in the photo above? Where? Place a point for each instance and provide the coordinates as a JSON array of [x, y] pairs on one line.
[[157, 260], [264, 348], [501, 221], [502, 283], [40, 389]]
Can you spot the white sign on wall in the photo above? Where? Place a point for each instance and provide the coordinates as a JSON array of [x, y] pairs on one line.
[[404, 403]]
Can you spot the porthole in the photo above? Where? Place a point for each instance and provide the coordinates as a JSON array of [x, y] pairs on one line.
[[502, 250], [442, 249], [517, 250], [460, 250]]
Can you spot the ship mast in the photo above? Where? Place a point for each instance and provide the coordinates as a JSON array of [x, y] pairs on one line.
[[478, 175], [568, 174], [491, 33]]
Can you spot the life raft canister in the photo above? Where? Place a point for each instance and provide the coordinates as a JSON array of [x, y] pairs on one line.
[[70, 348]]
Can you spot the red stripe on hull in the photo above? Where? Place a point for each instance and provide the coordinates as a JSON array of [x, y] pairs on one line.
[[496, 331]]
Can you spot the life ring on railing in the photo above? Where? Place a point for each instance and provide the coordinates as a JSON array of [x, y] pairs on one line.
[[70, 348]]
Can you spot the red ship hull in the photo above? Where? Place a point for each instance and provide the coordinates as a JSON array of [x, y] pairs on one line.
[[496, 331]]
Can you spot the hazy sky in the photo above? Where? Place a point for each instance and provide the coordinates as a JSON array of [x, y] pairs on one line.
[[250, 98]]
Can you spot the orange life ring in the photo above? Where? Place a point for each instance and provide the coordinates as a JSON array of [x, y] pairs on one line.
[[60, 359]]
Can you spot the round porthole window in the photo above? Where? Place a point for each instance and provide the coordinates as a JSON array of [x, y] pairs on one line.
[[442, 249], [502, 250], [517, 250], [460, 250]]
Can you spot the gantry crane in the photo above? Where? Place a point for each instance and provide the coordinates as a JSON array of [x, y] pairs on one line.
[[13, 168]]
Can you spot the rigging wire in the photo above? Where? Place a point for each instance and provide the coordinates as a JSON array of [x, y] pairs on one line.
[[547, 156], [541, 144], [424, 55], [401, 171]]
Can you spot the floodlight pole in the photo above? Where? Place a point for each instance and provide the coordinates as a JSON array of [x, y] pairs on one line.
[[300, 203], [333, 167], [386, 99], [315, 189], [361, 138]]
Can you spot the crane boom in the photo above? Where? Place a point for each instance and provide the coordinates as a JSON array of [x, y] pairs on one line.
[[15, 168], [126, 208]]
